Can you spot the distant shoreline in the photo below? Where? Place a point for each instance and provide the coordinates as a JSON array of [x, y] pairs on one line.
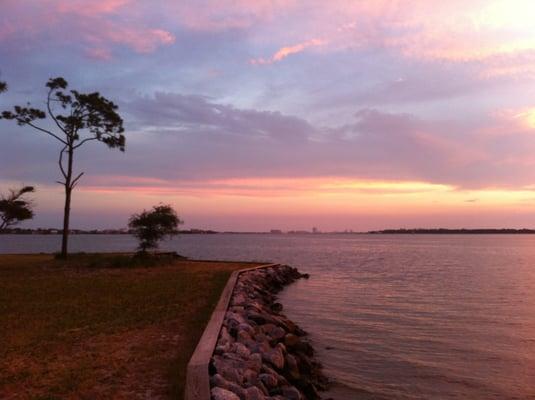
[[443, 231], [401, 231]]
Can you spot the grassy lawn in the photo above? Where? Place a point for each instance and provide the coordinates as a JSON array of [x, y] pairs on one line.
[[73, 330]]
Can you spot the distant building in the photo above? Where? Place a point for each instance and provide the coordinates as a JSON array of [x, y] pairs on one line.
[[275, 231], [315, 230]]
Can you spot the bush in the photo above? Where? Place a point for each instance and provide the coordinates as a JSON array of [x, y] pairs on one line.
[[150, 227]]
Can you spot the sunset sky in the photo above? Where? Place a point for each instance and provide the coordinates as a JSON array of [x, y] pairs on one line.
[[253, 115]]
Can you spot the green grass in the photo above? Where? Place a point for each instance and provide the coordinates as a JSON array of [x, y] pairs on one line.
[[60, 321]]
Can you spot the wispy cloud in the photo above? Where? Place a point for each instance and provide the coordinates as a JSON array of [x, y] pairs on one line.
[[286, 51]]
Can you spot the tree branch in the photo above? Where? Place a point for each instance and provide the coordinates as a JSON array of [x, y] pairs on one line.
[[75, 180], [84, 141], [45, 131], [51, 113], [60, 162]]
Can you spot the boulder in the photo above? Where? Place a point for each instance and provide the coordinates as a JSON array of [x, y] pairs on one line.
[[270, 381], [253, 393], [259, 350], [224, 337], [273, 331], [219, 381], [291, 393], [258, 318], [223, 394], [255, 362], [292, 368], [291, 340], [241, 350], [275, 357], [227, 371]]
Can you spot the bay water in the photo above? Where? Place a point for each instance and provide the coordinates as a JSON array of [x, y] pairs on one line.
[[391, 316]]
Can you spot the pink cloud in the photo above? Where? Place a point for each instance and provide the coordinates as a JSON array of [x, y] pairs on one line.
[[286, 51], [99, 54], [494, 35], [95, 7], [102, 38], [97, 26], [218, 15], [141, 40], [479, 31]]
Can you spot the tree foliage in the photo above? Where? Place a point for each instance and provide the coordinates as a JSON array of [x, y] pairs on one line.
[[3, 86], [14, 208], [77, 118], [90, 113], [150, 227]]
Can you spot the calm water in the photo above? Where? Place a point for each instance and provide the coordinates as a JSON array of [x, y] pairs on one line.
[[393, 317]]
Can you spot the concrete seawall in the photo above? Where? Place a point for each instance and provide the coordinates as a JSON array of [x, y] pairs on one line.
[[250, 350]]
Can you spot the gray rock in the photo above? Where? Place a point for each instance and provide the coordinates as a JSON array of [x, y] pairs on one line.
[[255, 362], [239, 299], [258, 318], [260, 336], [224, 337], [228, 371], [291, 340], [250, 377], [219, 381], [244, 337], [273, 331], [247, 328], [269, 380], [275, 357], [292, 367], [241, 350], [291, 393], [233, 320], [259, 349], [304, 347], [223, 394], [220, 350], [254, 393]]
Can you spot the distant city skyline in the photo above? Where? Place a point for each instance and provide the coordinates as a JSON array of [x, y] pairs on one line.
[[260, 115]]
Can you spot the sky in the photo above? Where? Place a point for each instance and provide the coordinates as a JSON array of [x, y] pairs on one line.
[[252, 115]]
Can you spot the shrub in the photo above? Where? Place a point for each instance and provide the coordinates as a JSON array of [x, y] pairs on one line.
[[150, 227]]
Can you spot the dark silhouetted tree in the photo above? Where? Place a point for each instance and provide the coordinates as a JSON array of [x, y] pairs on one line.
[[3, 86], [77, 118], [150, 227], [14, 208]]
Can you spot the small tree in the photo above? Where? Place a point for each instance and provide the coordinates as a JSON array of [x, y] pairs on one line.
[[14, 208], [82, 118], [150, 227], [3, 86]]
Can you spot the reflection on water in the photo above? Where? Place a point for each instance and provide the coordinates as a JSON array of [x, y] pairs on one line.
[[393, 317]]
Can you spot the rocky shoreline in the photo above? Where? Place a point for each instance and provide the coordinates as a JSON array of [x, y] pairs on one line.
[[261, 354]]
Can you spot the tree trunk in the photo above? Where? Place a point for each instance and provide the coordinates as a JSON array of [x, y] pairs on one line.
[[67, 209]]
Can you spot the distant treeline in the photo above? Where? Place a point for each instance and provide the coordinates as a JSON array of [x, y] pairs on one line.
[[52, 231], [444, 231]]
